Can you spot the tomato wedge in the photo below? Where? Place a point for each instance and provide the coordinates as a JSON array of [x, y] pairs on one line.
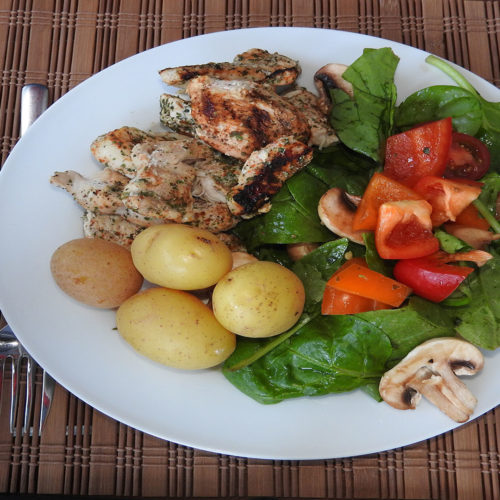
[[469, 157], [380, 189], [431, 277], [404, 230], [448, 197], [418, 152]]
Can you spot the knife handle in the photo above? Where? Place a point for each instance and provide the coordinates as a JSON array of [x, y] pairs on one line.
[[34, 101]]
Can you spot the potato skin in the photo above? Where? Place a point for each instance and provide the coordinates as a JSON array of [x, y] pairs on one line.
[[180, 257], [259, 299], [96, 272], [174, 328]]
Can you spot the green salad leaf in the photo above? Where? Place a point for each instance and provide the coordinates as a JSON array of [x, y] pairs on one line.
[[331, 354], [316, 268], [438, 102], [365, 121], [479, 320], [328, 354]]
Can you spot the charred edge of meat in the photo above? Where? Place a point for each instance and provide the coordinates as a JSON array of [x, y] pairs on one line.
[[253, 196], [283, 71]]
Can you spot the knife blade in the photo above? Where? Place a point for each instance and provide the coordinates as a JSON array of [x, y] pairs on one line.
[[34, 101]]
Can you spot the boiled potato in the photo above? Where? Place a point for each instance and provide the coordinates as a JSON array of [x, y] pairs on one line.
[[180, 257], [96, 272], [174, 328], [259, 299]]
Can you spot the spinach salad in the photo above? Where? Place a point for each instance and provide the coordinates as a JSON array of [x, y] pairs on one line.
[[328, 354]]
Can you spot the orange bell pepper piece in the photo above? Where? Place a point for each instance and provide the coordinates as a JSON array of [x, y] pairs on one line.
[[360, 280], [337, 302]]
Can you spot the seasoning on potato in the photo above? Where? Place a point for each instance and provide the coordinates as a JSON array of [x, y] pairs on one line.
[[96, 272], [180, 257], [259, 299], [174, 328]]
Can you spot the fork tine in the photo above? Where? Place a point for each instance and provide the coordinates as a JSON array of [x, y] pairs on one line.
[[30, 380], [2, 373], [14, 393]]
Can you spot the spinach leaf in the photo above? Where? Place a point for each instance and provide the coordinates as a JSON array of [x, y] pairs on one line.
[[487, 201], [410, 325], [441, 101], [329, 354], [490, 190], [479, 321], [450, 243], [336, 353], [492, 140], [366, 120], [372, 257], [316, 268]]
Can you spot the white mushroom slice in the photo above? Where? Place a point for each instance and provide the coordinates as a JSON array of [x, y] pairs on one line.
[[330, 77], [473, 236], [336, 210], [298, 250], [242, 258], [431, 370]]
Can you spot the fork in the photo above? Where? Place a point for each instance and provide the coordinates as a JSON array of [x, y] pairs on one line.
[[34, 101], [11, 349]]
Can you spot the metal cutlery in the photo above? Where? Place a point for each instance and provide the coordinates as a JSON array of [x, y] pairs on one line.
[[34, 100], [11, 349]]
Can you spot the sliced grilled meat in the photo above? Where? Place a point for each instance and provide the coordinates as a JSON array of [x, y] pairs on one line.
[[264, 173], [255, 64], [237, 117]]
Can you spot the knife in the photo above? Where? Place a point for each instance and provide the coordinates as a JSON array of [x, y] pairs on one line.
[[34, 101]]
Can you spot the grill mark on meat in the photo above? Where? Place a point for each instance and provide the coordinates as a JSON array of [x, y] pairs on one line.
[[259, 121], [255, 195], [208, 107]]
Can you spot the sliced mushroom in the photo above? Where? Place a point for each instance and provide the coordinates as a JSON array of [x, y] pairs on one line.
[[476, 238], [336, 210], [431, 370], [298, 250], [330, 77]]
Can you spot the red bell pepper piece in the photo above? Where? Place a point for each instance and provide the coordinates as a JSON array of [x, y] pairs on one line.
[[380, 189], [404, 230], [431, 277], [448, 197], [470, 217], [418, 152]]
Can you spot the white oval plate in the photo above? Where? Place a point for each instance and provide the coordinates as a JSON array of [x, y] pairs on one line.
[[80, 346]]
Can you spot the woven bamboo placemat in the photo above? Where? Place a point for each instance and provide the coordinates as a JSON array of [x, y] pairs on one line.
[[82, 452]]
